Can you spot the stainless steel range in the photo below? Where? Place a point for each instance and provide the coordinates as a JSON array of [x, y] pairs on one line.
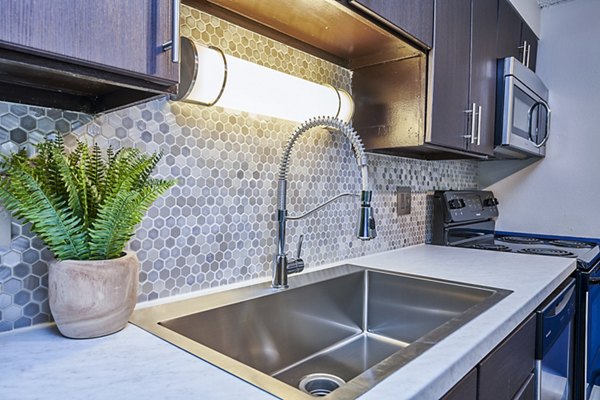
[[468, 218]]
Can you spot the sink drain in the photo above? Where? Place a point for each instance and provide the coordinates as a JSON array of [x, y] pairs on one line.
[[320, 384]]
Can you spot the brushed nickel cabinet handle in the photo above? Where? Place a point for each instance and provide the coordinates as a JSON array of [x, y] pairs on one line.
[[175, 43], [473, 124], [524, 47], [479, 125], [471, 113]]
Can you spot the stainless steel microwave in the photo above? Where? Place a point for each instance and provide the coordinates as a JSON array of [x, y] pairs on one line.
[[522, 112]]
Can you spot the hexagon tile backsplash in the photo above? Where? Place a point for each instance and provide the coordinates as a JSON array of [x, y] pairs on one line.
[[217, 225]]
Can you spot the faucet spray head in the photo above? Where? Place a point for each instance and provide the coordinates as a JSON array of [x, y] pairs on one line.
[[366, 219]]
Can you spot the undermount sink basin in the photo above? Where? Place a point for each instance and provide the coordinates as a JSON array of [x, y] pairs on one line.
[[338, 331]]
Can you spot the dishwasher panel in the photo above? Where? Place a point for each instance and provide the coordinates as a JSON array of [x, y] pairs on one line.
[[555, 345]]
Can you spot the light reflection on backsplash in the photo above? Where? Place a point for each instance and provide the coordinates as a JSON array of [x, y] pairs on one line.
[[217, 225]]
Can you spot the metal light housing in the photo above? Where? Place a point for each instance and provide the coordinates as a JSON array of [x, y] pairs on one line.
[[211, 77]]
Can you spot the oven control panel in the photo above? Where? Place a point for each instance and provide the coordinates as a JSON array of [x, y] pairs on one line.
[[463, 206]]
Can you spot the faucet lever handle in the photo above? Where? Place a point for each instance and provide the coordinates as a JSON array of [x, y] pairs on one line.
[[299, 249], [297, 264]]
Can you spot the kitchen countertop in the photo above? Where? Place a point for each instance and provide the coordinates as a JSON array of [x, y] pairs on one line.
[[38, 363]]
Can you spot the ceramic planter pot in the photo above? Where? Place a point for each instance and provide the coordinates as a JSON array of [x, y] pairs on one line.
[[93, 298]]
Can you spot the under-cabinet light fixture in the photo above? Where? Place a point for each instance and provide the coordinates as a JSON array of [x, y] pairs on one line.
[[210, 77]]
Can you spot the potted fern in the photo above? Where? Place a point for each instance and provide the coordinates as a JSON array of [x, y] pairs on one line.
[[85, 208]]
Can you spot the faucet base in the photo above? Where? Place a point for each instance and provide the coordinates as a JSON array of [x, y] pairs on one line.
[[278, 287], [280, 272]]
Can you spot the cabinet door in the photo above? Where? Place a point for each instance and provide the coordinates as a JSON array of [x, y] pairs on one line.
[[509, 31], [414, 17], [527, 392], [532, 45], [466, 389], [117, 36], [509, 366], [483, 73], [450, 80]]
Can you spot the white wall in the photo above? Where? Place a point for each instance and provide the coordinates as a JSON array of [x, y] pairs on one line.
[[561, 193], [530, 11]]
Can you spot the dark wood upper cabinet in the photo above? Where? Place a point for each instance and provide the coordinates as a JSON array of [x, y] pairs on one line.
[[414, 18], [464, 76], [450, 107], [329, 29], [98, 54], [527, 35], [121, 36], [483, 74], [515, 37], [461, 77], [509, 31], [469, 36]]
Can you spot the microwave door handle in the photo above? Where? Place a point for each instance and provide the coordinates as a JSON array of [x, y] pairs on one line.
[[548, 115], [530, 121], [548, 118]]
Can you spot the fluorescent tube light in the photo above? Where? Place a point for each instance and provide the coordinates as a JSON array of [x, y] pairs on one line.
[[210, 77]]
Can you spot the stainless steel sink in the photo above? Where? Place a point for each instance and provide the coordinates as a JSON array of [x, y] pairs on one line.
[[345, 324]]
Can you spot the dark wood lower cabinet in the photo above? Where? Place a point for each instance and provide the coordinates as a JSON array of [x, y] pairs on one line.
[[504, 374], [466, 389], [527, 392]]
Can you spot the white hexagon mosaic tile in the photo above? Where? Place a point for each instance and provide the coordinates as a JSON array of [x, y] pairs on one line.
[[217, 225]]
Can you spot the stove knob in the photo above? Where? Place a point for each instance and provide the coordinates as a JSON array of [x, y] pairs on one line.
[[455, 204], [490, 202]]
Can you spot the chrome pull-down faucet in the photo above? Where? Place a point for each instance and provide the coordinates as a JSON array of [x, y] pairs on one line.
[[366, 221]]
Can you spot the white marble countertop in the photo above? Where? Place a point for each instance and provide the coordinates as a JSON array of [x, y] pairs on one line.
[[38, 363]]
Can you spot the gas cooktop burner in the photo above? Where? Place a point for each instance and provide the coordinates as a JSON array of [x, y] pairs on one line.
[[571, 243], [497, 247], [547, 252], [520, 239]]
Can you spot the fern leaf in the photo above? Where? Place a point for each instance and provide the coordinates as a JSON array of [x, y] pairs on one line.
[[110, 154], [81, 206], [147, 169], [50, 218], [74, 158], [46, 170], [152, 190], [118, 171], [46, 178], [118, 218], [69, 180], [82, 183], [112, 229], [130, 170], [96, 173]]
